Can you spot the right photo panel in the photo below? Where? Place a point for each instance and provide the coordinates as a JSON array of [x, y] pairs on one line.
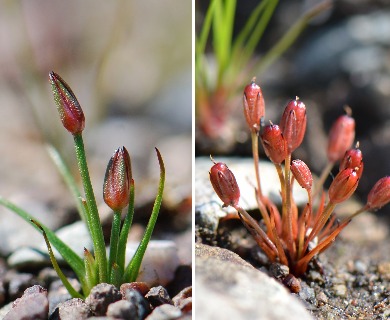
[[292, 159]]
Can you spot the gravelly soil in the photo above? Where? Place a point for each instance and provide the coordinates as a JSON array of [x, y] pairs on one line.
[[351, 280]]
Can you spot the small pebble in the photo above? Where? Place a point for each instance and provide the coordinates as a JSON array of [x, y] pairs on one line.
[[165, 312], [322, 298], [32, 305], [340, 290], [183, 300], [101, 296], [292, 283], [19, 282], [278, 270], [71, 309], [137, 300], [123, 309], [141, 287], [384, 270], [360, 267], [158, 296]]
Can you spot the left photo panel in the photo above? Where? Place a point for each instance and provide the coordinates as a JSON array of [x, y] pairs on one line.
[[96, 159]]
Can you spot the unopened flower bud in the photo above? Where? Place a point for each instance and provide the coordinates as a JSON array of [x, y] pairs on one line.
[[68, 107], [302, 174], [293, 124], [274, 143], [343, 185], [379, 194], [353, 158], [253, 105], [341, 137], [116, 187], [224, 184]]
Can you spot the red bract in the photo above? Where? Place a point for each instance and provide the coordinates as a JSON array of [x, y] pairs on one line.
[[293, 124], [224, 184], [341, 137], [379, 194], [274, 143], [253, 102], [302, 174], [343, 185], [116, 187], [68, 107], [353, 158]]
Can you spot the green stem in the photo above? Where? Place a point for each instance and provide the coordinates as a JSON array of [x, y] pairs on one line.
[[93, 220], [115, 229]]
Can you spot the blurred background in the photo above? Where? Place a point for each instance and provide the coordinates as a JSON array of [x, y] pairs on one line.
[[341, 58], [129, 64]]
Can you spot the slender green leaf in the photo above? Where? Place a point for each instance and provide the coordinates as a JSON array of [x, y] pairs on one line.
[[132, 269], [69, 180], [73, 260], [56, 267], [290, 36]]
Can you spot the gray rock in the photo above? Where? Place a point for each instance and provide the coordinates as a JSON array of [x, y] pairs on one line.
[[32, 305], [70, 310], [101, 296], [238, 291], [165, 312]]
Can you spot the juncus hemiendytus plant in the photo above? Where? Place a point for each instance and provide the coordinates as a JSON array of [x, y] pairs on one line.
[[288, 237], [118, 192]]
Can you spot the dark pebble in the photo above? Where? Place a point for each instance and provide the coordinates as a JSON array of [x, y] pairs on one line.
[[141, 287], [158, 296], [137, 300], [101, 296]]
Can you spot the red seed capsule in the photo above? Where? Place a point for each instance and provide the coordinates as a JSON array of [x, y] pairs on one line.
[[68, 107], [274, 143], [302, 174], [293, 124], [253, 103], [341, 137], [353, 158], [343, 185], [224, 184], [379, 194], [116, 187]]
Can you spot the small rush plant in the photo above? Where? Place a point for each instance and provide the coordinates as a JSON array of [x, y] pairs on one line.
[[118, 192], [293, 236]]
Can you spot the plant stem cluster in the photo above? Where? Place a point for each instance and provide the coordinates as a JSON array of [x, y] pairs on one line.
[[293, 236]]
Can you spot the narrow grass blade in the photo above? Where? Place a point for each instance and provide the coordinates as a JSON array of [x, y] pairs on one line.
[[132, 269], [74, 261], [56, 267], [69, 180]]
